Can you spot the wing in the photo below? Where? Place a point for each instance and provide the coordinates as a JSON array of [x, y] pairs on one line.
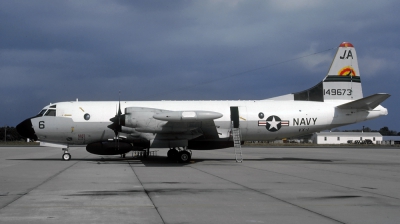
[[170, 125]]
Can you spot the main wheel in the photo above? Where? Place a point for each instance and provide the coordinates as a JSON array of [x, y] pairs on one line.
[[184, 157], [66, 156], [172, 153]]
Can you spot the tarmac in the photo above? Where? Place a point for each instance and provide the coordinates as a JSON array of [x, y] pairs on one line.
[[272, 185]]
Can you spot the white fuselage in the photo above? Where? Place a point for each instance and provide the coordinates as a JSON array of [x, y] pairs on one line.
[[70, 127]]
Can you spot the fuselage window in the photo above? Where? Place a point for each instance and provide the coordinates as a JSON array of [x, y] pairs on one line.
[[50, 112], [86, 116]]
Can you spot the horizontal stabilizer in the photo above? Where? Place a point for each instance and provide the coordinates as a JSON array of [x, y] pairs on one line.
[[366, 103]]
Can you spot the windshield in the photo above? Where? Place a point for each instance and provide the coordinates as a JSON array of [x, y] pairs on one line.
[[50, 112], [41, 113]]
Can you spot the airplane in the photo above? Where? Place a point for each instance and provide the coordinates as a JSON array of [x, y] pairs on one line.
[[182, 126]]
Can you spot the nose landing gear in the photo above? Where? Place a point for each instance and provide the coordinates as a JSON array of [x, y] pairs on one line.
[[66, 156]]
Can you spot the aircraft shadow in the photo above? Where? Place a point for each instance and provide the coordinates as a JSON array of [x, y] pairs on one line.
[[164, 161], [155, 161]]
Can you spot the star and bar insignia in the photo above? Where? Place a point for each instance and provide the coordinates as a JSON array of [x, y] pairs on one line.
[[273, 123]]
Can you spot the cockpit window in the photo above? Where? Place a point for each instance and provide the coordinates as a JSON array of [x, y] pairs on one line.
[[50, 112], [41, 113]]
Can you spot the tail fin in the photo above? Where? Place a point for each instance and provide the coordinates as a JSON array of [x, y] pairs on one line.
[[341, 83], [343, 80]]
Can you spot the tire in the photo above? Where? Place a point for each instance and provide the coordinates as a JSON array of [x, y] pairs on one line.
[[66, 156], [172, 154], [184, 157]]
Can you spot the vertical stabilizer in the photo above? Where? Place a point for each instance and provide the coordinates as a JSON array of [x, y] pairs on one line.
[[343, 80]]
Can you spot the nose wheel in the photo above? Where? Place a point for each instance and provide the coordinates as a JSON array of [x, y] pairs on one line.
[[66, 156]]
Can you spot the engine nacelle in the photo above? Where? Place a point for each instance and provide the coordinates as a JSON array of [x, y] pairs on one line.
[[135, 117], [109, 148]]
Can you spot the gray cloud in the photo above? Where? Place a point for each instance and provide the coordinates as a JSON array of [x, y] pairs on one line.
[[152, 50]]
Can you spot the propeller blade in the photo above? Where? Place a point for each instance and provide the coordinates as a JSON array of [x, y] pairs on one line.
[[118, 120]]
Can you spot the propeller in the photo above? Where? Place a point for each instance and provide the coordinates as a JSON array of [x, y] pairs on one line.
[[117, 122]]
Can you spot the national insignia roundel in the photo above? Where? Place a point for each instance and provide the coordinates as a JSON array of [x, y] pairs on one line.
[[273, 123]]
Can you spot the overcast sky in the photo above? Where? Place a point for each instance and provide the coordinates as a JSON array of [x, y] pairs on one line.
[[52, 51]]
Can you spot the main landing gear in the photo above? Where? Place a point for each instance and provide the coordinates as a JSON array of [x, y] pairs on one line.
[[66, 156], [181, 155]]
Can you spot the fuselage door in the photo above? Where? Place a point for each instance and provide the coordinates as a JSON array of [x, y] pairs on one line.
[[235, 116], [239, 118]]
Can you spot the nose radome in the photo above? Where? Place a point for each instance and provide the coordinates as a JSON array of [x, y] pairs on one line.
[[26, 130]]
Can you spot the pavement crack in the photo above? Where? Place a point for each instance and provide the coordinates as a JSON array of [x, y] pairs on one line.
[[43, 182], [323, 182], [269, 195], [147, 192]]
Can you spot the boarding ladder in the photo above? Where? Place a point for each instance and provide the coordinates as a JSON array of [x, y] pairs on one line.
[[236, 143]]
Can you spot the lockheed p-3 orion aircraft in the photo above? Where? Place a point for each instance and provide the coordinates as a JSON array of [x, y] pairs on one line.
[[182, 126]]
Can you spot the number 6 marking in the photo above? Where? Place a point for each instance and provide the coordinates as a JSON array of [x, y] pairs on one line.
[[41, 124]]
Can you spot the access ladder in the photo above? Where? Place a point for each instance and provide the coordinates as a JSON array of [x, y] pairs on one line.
[[236, 143]]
